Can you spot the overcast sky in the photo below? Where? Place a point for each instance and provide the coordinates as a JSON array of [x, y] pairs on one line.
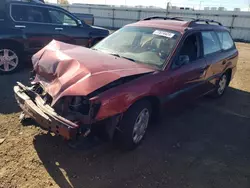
[[229, 4]]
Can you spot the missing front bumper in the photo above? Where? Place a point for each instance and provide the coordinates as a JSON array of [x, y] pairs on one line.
[[43, 114]]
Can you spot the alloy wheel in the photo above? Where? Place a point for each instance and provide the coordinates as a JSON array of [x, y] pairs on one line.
[[140, 125], [222, 84], [8, 60]]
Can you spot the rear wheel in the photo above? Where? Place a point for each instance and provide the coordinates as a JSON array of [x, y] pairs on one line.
[[221, 85], [134, 125], [9, 59]]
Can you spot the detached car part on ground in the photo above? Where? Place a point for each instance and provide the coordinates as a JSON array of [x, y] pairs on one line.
[[119, 85]]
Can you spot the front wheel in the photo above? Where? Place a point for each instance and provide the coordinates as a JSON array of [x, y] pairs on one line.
[[134, 125]]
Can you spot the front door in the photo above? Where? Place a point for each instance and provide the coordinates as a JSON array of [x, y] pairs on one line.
[[68, 28], [188, 70]]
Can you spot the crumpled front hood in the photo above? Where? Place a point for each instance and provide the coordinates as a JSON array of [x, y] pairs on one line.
[[69, 70]]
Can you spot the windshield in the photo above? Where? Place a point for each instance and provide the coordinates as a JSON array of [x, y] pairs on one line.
[[140, 44]]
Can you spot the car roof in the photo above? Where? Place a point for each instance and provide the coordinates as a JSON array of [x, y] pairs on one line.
[[33, 3], [179, 24]]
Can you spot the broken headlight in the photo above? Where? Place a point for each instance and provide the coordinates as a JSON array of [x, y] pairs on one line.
[[80, 104]]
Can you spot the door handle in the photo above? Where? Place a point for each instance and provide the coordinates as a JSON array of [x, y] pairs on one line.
[[58, 29], [203, 71], [20, 26]]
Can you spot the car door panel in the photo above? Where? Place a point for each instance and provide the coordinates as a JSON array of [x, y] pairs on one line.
[[38, 36], [215, 64], [189, 80], [217, 61], [68, 29], [75, 35], [34, 23], [214, 56]]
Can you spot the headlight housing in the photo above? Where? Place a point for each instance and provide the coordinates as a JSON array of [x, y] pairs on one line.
[[79, 104]]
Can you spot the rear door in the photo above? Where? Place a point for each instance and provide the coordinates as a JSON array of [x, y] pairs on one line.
[[33, 21], [215, 59], [229, 51], [68, 28], [188, 70]]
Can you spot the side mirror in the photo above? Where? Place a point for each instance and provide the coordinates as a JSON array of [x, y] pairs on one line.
[[182, 60], [79, 23]]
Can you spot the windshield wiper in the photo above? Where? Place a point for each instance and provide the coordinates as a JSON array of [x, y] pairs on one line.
[[117, 55]]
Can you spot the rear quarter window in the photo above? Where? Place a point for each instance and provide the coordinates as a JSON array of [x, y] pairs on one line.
[[225, 40]]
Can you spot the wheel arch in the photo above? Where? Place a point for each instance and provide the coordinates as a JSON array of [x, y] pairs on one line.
[[154, 102], [16, 44], [229, 74]]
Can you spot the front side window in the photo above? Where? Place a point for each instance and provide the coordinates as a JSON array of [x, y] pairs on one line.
[[225, 40], [210, 42], [59, 17], [140, 44], [34, 14], [190, 47], [189, 51]]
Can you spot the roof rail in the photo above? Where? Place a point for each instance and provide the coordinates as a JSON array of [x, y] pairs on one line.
[[30, 1], [193, 20], [157, 17], [207, 21], [183, 18], [163, 18]]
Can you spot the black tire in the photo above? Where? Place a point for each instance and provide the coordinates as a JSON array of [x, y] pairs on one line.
[[218, 92], [13, 50], [125, 136]]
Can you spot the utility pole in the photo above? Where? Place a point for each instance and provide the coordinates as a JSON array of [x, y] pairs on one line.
[[167, 8], [200, 5]]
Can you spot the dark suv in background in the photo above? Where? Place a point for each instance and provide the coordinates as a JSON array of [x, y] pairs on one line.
[[26, 27]]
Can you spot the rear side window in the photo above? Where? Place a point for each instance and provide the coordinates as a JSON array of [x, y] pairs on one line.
[[210, 42], [59, 17], [225, 40], [33, 14]]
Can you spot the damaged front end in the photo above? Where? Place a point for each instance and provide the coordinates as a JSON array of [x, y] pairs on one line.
[[66, 83], [69, 117]]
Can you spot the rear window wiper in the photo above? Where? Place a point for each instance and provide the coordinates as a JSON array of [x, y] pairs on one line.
[[117, 55]]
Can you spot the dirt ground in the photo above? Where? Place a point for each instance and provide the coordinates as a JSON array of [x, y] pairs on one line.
[[204, 145]]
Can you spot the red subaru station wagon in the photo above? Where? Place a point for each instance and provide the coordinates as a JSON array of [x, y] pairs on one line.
[[120, 84]]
